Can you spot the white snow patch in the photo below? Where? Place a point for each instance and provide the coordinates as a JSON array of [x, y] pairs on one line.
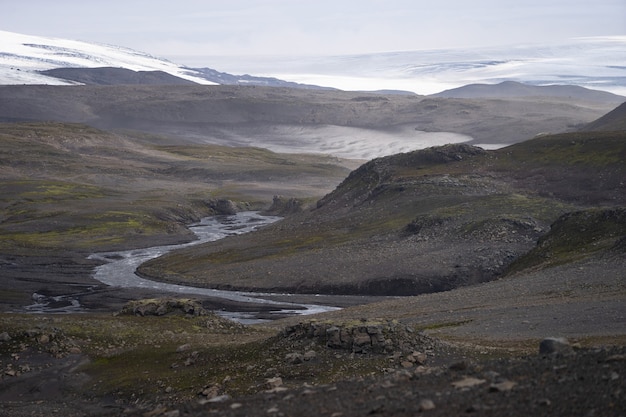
[[21, 56]]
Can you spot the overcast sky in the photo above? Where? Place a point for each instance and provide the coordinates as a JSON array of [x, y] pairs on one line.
[[191, 29]]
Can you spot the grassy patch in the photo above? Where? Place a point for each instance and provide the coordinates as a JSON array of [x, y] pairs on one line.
[[175, 357], [584, 149], [575, 236]]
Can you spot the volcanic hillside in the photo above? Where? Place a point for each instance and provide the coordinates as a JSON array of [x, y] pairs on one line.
[[423, 221]]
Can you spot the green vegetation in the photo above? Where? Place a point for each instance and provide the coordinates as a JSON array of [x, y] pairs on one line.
[[178, 356], [73, 187], [585, 150]]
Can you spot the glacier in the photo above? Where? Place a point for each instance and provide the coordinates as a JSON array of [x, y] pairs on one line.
[[597, 63]]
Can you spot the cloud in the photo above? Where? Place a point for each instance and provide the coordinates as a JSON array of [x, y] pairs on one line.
[[268, 27]]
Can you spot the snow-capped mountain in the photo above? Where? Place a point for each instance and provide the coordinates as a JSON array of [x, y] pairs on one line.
[[597, 63], [22, 56]]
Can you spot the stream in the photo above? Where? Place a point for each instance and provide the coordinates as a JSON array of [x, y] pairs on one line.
[[118, 269]]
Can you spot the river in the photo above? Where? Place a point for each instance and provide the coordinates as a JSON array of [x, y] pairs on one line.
[[118, 269]]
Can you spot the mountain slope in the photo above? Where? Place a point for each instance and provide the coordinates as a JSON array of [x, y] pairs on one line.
[[419, 222], [70, 187], [614, 120]]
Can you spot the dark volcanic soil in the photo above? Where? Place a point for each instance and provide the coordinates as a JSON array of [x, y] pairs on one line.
[[579, 382], [582, 384]]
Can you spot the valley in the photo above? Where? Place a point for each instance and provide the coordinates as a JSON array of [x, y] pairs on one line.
[[448, 260]]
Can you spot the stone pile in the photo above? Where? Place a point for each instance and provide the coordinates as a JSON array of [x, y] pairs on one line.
[[383, 336]]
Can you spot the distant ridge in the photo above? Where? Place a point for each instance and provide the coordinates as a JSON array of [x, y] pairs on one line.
[[509, 89], [225, 78], [115, 76]]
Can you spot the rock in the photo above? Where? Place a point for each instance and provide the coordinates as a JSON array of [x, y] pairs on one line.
[[183, 348], [271, 383], [219, 399], [333, 335], [502, 386], [211, 391], [310, 355], [282, 206], [459, 366], [146, 309], [554, 345], [223, 206], [426, 405], [4, 337], [294, 358], [44, 339], [361, 341], [417, 358], [346, 337], [468, 382]]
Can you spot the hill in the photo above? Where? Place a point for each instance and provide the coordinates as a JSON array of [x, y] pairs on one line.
[[419, 222], [114, 76], [346, 124], [512, 89]]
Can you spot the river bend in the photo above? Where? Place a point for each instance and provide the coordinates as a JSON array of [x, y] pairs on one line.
[[118, 269]]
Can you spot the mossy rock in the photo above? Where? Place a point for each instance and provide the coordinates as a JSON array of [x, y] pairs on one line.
[[164, 306]]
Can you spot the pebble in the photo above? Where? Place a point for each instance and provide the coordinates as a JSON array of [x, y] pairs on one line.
[[468, 382], [183, 348], [275, 382], [502, 386], [426, 405], [219, 399]]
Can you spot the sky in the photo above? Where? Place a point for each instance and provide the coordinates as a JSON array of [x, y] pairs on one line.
[[190, 31]]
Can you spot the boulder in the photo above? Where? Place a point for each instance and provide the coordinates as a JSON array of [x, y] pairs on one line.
[[554, 345]]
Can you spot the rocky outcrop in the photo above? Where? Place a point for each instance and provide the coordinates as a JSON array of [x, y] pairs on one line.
[[223, 206], [163, 306], [282, 206]]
